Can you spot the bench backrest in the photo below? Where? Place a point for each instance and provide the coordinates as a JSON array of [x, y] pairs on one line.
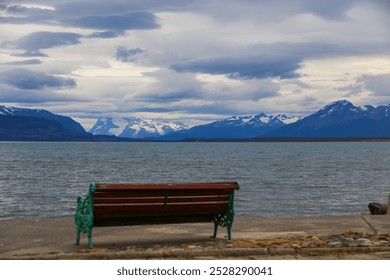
[[136, 204]]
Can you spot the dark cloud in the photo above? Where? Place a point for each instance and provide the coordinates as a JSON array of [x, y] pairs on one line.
[[18, 14], [251, 68], [139, 20], [30, 54], [273, 10], [330, 9], [279, 60], [105, 34], [29, 80], [15, 95], [113, 18], [19, 9], [44, 40], [154, 109], [25, 62], [93, 7], [167, 97], [128, 55]]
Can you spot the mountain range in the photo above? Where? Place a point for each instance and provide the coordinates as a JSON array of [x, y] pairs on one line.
[[135, 127], [340, 119], [234, 128]]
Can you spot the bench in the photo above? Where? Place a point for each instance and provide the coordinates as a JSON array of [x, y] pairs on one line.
[[110, 204]]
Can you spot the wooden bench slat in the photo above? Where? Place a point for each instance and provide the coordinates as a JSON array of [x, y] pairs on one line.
[[162, 200], [140, 220], [129, 200], [214, 185], [129, 210], [160, 193]]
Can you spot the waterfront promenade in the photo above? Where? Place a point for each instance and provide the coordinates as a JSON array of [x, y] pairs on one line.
[[326, 237]]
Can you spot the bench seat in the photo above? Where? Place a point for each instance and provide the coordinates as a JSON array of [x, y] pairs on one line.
[[109, 204]]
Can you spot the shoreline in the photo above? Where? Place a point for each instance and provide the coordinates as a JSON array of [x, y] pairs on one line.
[[330, 237]]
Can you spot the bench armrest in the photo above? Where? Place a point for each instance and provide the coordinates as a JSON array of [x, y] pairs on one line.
[[83, 218], [84, 213]]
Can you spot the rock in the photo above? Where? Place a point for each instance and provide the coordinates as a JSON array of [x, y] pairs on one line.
[[377, 208], [364, 241], [335, 243], [316, 240]]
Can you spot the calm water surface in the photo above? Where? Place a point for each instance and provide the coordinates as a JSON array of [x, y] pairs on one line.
[[276, 179]]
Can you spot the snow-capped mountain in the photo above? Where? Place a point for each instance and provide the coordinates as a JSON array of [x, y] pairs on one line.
[[341, 119], [65, 121], [235, 127], [135, 127], [261, 120], [105, 126], [37, 125]]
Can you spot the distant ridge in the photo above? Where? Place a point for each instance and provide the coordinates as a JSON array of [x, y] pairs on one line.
[[22, 124], [340, 119], [67, 122], [234, 127]]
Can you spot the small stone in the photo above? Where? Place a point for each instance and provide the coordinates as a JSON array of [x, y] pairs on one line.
[[350, 242], [364, 241], [335, 243], [353, 243], [316, 240], [305, 244]]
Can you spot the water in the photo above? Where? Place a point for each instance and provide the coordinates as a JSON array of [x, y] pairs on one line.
[[276, 179]]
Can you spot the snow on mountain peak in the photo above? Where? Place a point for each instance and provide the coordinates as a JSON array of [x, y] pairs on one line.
[[338, 106], [134, 127], [7, 110], [288, 120], [257, 121]]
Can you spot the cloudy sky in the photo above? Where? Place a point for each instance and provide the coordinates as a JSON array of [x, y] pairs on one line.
[[195, 60]]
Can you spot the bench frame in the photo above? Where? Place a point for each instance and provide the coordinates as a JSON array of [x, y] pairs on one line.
[[84, 217]]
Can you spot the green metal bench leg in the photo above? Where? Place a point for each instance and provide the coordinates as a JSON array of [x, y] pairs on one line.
[[90, 239], [229, 229], [78, 238], [215, 229]]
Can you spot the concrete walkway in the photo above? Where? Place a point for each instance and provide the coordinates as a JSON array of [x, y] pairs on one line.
[[253, 237]]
